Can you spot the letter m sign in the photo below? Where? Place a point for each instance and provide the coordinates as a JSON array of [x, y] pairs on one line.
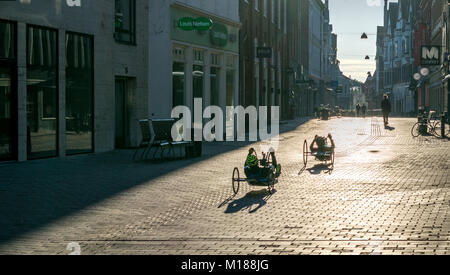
[[431, 56]]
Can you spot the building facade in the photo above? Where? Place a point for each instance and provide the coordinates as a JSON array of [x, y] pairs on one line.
[[264, 81], [205, 64], [431, 28], [71, 86], [74, 78], [398, 54], [379, 73]]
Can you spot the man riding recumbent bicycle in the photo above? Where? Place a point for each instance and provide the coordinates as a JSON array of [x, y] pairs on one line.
[[258, 172], [322, 149]]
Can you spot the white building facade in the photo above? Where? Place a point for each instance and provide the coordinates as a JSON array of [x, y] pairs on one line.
[[204, 64], [398, 55]]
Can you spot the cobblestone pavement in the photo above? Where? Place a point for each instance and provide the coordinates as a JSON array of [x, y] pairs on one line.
[[388, 194]]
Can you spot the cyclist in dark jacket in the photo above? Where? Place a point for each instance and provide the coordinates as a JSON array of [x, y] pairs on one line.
[[386, 107]]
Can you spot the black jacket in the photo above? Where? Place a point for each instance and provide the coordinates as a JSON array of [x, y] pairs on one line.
[[386, 106]]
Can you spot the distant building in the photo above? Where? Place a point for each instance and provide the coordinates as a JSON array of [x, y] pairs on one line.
[[432, 92], [372, 98], [380, 70], [264, 81], [398, 56]]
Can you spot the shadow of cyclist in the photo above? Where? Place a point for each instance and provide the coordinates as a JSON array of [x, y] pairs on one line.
[[254, 198], [319, 168]]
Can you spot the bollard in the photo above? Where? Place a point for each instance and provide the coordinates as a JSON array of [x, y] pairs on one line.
[[443, 126]]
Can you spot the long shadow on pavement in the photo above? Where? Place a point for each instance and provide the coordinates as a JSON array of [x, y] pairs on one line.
[[37, 193], [253, 198]]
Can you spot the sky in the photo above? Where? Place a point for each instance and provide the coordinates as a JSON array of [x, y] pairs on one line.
[[350, 18]]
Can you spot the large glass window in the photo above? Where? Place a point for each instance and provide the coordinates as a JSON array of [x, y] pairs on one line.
[[79, 93], [215, 86], [216, 61], [178, 78], [197, 81], [6, 117], [230, 87], [8, 95], [42, 92], [7, 40], [125, 21]]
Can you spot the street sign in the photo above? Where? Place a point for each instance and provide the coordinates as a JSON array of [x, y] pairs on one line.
[[430, 56], [264, 52]]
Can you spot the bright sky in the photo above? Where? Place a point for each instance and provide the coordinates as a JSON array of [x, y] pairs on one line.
[[350, 18]]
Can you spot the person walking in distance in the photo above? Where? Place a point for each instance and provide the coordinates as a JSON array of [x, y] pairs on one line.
[[386, 108], [358, 109]]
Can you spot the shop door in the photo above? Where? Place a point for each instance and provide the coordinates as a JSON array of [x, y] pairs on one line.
[[8, 113]]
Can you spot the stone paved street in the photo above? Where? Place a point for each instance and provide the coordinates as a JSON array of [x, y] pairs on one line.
[[388, 194]]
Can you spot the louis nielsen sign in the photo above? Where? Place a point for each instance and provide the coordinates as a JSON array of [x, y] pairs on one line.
[[430, 56], [190, 24]]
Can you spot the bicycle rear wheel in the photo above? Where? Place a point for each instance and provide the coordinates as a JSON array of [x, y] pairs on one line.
[[437, 129]]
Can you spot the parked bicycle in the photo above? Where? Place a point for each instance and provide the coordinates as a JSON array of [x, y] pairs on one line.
[[428, 124]]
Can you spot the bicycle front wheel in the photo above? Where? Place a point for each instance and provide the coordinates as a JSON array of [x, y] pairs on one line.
[[415, 131]]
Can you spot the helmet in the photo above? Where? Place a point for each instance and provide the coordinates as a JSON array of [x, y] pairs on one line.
[[321, 141], [252, 160]]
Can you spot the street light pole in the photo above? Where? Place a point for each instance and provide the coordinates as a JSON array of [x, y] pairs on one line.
[[448, 65], [443, 118]]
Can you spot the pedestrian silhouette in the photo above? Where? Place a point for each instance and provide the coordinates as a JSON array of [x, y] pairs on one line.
[[386, 108], [358, 109]]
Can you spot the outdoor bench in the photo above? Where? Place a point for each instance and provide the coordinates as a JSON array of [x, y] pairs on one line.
[[157, 135]]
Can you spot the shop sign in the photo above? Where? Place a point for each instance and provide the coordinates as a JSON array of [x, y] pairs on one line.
[[219, 35], [431, 56], [186, 24], [73, 3], [202, 23], [190, 24], [264, 52]]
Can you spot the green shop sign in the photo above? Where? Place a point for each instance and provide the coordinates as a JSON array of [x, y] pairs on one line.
[[190, 24], [203, 24], [219, 35], [186, 23]]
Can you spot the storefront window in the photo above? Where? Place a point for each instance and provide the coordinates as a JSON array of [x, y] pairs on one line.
[[197, 77], [262, 99], [230, 88], [178, 78], [6, 120], [7, 40], [215, 86], [79, 94], [8, 95], [42, 92]]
